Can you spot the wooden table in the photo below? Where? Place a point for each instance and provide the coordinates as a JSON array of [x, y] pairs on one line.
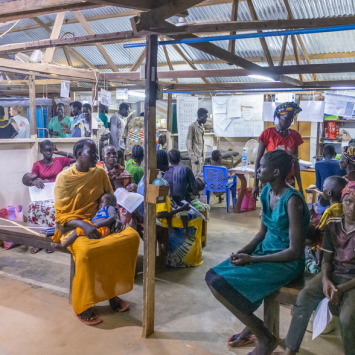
[[243, 184]]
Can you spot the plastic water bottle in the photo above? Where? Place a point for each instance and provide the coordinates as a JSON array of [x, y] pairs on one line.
[[244, 158]]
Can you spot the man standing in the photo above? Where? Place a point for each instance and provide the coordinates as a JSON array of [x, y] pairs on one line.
[[195, 143], [22, 123], [55, 127], [102, 114], [117, 128], [74, 130]]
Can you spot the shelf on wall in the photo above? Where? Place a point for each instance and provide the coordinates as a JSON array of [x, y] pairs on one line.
[[348, 121]]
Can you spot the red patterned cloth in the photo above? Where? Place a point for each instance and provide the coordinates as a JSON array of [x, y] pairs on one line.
[[42, 213]]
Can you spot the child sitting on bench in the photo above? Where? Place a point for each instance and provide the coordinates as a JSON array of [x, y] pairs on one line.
[[332, 190], [105, 220], [336, 281]]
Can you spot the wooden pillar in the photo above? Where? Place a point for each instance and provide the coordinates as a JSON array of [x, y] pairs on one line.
[[32, 96], [169, 142], [150, 165]]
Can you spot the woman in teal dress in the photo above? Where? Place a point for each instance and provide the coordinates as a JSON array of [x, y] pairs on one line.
[[274, 258]]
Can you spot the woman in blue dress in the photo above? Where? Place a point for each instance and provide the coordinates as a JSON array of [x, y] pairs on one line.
[[274, 258]]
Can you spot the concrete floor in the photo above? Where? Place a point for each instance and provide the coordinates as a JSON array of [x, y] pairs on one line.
[[36, 318]]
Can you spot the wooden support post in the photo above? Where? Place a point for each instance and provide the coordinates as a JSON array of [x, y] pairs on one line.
[[169, 143], [272, 315], [295, 51], [150, 163], [234, 15], [283, 51], [72, 274], [32, 95]]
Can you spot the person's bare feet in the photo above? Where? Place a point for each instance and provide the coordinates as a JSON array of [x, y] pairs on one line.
[[265, 346], [88, 317], [119, 304], [58, 246], [242, 339]]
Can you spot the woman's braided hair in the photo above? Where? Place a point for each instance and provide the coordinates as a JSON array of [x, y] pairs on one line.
[[79, 145], [279, 159]]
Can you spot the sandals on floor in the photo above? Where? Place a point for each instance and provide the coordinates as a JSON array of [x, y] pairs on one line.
[[35, 250], [240, 342], [123, 306], [94, 320]]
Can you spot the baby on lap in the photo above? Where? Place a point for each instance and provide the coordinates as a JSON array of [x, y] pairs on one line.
[[104, 221]]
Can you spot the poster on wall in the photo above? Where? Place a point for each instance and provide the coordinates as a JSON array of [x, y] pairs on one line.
[[339, 105], [186, 109], [105, 97], [237, 115], [64, 88], [312, 111]]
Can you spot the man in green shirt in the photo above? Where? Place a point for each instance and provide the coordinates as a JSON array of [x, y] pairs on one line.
[[133, 165], [103, 109], [55, 125]]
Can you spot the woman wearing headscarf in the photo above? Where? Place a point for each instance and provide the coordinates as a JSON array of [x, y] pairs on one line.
[[284, 138], [347, 162]]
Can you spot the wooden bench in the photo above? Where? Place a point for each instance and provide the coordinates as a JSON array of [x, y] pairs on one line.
[[29, 234], [288, 296]]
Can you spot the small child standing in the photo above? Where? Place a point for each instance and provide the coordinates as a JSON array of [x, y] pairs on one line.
[[104, 221], [134, 219], [332, 190]]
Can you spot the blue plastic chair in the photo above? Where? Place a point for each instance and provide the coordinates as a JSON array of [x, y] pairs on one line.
[[216, 180]]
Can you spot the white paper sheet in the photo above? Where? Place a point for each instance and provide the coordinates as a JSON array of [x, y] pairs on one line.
[[239, 130], [186, 109], [321, 318], [122, 94], [269, 110], [224, 122], [339, 105], [105, 97], [312, 111], [42, 194], [248, 129], [64, 88], [129, 200], [258, 128], [248, 112], [285, 97], [234, 107], [220, 104]]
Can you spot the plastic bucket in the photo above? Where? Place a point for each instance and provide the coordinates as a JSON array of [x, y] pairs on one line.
[[248, 203]]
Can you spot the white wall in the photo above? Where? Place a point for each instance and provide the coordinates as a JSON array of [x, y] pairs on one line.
[[15, 161]]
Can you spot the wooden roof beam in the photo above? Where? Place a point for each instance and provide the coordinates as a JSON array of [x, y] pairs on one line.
[[263, 43], [153, 18], [234, 15], [210, 73], [48, 55], [188, 61], [290, 15], [98, 45], [37, 68]]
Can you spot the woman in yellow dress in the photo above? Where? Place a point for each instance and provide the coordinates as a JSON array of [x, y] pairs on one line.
[[104, 268]]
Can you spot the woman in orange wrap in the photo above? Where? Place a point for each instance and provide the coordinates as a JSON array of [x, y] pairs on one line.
[[104, 268]]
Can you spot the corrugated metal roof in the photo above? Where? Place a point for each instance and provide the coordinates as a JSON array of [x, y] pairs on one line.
[[265, 9]]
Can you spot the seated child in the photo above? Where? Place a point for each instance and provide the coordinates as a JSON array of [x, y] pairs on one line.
[[135, 219], [336, 281], [104, 221], [332, 189], [217, 161]]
